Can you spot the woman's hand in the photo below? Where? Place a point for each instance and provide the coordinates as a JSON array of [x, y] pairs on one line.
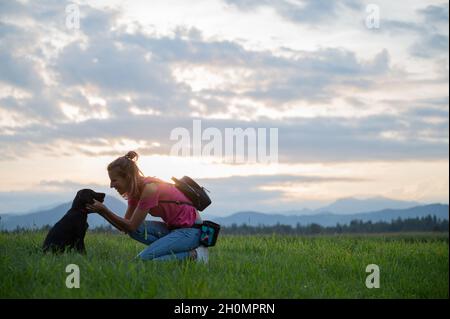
[[97, 207]]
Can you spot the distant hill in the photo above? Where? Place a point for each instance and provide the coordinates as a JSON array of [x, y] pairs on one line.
[[51, 216], [328, 219], [338, 212], [355, 206]]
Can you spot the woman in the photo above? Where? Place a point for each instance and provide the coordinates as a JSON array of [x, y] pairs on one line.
[[174, 238]]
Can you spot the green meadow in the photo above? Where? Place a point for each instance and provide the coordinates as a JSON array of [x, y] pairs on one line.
[[273, 266]]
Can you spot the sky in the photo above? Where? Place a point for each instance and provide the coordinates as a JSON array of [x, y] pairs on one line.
[[356, 91]]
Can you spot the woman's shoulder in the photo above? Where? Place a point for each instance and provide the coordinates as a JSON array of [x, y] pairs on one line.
[[150, 186], [152, 179], [150, 189]]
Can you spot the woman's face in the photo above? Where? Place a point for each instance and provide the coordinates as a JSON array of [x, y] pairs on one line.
[[118, 182]]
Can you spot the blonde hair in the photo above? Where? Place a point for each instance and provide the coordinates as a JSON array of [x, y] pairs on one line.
[[127, 168]]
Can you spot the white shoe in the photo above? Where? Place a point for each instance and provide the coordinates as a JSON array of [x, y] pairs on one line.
[[202, 254]]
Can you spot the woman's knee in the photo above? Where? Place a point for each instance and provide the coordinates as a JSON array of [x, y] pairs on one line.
[[141, 236], [141, 257], [146, 255]]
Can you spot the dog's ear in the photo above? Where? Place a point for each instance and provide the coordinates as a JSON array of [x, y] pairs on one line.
[[78, 198]]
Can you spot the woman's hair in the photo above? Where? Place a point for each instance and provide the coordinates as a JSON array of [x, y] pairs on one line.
[[126, 167]]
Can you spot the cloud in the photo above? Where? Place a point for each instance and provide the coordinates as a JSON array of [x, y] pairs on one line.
[[435, 14], [380, 137], [431, 31], [114, 70], [113, 64], [430, 45], [314, 77], [118, 84], [364, 139], [16, 72], [310, 12], [11, 8], [45, 195], [65, 185], [248, 192], [311, 76], [108, 85], [20, 202], [16, 69]]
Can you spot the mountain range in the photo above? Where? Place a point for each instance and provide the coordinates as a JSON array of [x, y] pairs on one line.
[[342, 211], [51, 216], [330, 219]]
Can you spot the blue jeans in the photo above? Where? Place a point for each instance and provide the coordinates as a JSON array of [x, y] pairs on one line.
[[165, 244]]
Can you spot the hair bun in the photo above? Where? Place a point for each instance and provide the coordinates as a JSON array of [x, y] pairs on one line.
[[132, 156]]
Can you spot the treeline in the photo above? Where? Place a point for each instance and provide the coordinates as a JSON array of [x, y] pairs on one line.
[[424, 224]]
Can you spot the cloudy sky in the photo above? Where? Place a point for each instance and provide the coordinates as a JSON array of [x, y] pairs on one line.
[[361, 109]]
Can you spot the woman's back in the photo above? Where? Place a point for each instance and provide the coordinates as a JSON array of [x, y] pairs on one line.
[[175, 215]]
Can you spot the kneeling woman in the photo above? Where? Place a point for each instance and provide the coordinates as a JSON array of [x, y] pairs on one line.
[[174, 238]]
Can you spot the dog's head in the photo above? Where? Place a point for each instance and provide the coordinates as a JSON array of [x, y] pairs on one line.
[[87, 196]]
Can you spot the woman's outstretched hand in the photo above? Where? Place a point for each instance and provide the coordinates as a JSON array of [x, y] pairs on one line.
[[97, 207]]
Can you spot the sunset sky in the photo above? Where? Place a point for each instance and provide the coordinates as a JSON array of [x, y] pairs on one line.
[[360, 111]]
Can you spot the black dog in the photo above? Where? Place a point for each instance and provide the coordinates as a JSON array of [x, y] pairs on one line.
[[69, 232]]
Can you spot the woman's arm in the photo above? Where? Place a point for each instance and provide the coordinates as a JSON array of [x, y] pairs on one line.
[[129, 223], [123, 224], [111, 221], [129, 213]]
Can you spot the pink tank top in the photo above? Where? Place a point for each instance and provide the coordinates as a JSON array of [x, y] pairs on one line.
[[174, 215]]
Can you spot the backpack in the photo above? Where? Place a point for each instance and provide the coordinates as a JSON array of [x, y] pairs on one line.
[[194, 192], [200, 200]]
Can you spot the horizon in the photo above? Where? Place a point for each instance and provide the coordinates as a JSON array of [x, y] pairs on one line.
[[294, 212], [358, 99]]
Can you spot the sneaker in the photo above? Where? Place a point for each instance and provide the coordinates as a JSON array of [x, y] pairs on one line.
[[202, 254]]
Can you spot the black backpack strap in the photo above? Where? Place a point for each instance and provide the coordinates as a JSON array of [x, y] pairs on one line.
[[171, 201], [176, 202]]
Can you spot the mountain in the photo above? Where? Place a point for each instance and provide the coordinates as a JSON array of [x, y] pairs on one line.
[[354, 206], [328, 219], [338, 212], [51, 216]]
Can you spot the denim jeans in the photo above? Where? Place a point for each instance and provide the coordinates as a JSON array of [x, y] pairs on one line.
[[165, 244]]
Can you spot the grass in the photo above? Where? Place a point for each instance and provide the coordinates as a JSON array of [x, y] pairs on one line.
[[411, 266]]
